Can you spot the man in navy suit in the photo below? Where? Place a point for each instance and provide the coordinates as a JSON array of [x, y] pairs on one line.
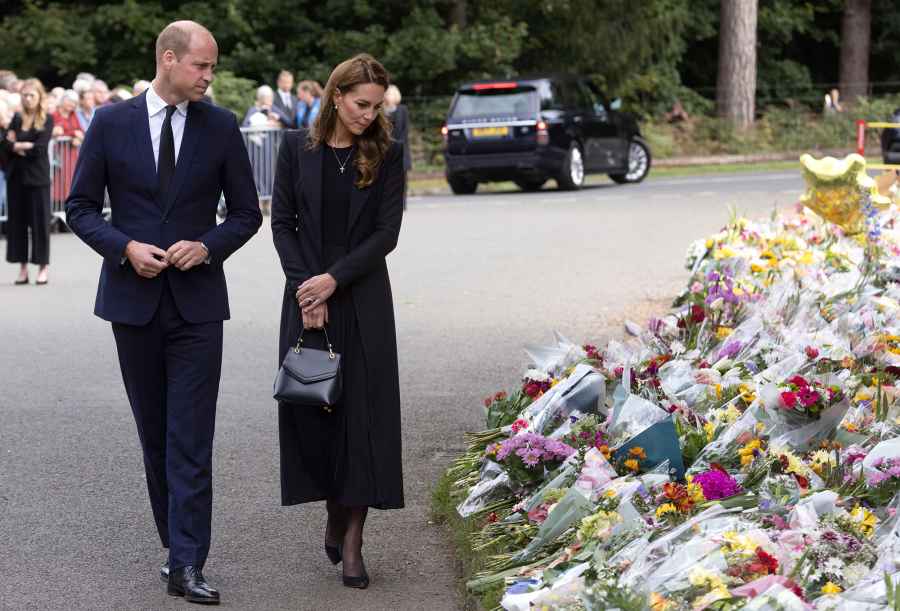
[[164, 158]]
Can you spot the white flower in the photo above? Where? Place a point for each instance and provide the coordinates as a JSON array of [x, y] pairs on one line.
[[834, 566], [537, 375], [854, 572]]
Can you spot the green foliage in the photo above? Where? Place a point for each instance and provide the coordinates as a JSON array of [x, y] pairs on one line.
[[234, 92]]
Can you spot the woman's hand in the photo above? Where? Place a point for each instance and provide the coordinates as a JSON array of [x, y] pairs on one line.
[[21, 147], [57, 131], [316, 317], [315, 291], [11, 136]]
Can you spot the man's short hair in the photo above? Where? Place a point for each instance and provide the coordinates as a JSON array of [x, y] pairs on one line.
[[285, 73], [175, 38]]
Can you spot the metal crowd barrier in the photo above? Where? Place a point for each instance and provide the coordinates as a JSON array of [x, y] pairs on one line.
[[262, 147]]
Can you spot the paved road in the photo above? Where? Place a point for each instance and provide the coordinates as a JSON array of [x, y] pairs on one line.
[[474, 279]]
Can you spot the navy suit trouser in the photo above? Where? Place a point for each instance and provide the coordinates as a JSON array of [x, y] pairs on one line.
[[171, 369]]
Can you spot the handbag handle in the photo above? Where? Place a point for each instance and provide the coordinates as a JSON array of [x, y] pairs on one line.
[[299, 345]]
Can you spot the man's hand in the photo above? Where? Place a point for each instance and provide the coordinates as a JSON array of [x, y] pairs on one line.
[[315, 291], [316, 317], [184, 254], [146, 259]]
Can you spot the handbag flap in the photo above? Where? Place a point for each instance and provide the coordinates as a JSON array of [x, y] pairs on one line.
[[311, 365]]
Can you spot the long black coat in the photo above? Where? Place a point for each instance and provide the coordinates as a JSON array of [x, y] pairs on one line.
[[373, 227]]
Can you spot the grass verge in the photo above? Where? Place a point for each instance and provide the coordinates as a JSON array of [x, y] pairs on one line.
[[459, 531]]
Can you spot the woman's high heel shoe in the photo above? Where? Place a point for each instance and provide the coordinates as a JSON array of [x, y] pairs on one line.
[[361, 582], [334, 553]]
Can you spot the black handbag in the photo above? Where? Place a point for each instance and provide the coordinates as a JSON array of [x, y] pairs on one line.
[[310, 377]]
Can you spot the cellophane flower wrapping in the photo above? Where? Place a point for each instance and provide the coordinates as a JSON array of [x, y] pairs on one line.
[[776, 371]]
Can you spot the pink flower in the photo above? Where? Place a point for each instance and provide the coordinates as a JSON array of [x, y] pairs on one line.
[[789, 399], [717, 484], [697, 287]]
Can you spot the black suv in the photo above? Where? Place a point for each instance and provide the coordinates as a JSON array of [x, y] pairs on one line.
[[531, 129], [890, 141]]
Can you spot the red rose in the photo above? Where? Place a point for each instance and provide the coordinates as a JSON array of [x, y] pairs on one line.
[[811, 352], [698, 314]]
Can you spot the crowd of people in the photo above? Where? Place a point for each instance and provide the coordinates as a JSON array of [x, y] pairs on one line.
[[67, 113]]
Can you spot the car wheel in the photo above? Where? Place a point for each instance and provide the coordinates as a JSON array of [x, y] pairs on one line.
[[638, 163], [530, 184], [462, 186], [572, 176]]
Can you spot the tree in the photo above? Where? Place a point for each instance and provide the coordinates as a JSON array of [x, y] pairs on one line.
[[856, 31], [736, 82]]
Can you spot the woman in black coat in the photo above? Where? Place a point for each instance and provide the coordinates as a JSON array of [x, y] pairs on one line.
[[336, 212], [28, 183]]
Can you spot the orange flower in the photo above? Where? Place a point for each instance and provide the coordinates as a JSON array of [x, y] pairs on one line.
[[632, 464], [638, 452]]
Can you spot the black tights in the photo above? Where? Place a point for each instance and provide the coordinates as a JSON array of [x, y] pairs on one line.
[[345, 527]]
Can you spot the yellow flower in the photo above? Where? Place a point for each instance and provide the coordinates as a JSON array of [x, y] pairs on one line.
[[747, 451], [664, 509], [864, 520], [756, 268], [740, 544], [726, 252], [554, 382], [733, 413], [737, 291], [695, 491], [710, 242], [658, 602], [747, 394], [638, 452], [632, 464], [710, 429], [832, 588], [610, 494], [700, 577], [723, 332], [718, 390]]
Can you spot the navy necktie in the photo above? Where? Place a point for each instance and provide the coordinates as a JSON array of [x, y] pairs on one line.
[[166, 164]]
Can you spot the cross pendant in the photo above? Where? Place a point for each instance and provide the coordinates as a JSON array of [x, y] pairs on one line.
[[342, 170]]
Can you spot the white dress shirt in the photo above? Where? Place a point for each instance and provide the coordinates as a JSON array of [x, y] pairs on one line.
[[285, 98], [156, 111]]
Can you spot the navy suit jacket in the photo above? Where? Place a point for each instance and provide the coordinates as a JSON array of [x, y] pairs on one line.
[[117, 157]]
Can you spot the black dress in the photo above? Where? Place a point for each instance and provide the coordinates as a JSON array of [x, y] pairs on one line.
[[331, 454]]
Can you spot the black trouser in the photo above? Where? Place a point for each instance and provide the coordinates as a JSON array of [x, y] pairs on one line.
[[171, 371], [27, 208]]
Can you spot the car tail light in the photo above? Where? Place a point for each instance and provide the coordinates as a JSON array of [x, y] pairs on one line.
[[485, 86], [445, 133], [543, 136]]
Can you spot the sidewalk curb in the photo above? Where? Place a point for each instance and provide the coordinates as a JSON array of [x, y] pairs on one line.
[[679, 162]]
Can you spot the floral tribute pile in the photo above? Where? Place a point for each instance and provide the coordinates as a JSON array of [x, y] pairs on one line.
[[742, 452]]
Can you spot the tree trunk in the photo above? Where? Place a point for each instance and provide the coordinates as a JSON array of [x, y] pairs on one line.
[[736, 83], [458, 14], [855, 38]]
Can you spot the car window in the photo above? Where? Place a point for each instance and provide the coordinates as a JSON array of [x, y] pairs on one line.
[[551, 95], [521, 102], [595, 99]]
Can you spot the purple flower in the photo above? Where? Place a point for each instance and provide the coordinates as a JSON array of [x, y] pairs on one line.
[[531, 457], [717, 484], [712, 277], [877, 478], [730, 349]]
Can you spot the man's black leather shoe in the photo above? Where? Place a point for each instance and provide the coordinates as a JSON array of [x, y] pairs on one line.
[[189, 582], [164, 572]]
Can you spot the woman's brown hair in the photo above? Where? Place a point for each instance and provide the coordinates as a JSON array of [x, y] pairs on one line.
[[372, 144], [39, 118]]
